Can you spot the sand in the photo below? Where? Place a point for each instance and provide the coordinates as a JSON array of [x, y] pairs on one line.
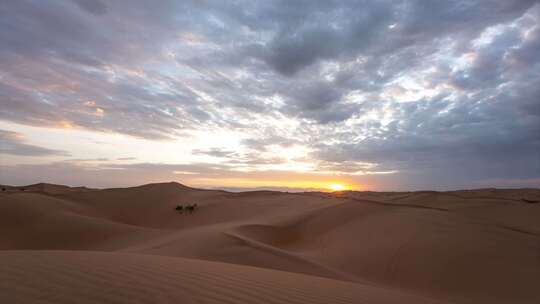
[[128, 245], [97, 277]]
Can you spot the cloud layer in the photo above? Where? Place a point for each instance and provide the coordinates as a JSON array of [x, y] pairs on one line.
[[13, 143], [435, 93]]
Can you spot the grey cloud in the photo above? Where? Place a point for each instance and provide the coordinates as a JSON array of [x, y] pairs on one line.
[[347, 167], [445, 139], [362, 27], [13, 143], [82, 160], [45, 29], [293, 51], [95, 7], [246, 160], [318, 101], [261, 143], [214, 152], [152, 70], [304, 41], [488, 67], [315, 95], [527, 52]]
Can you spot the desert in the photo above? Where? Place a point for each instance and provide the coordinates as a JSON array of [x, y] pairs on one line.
[[124, 245], [270, 151]]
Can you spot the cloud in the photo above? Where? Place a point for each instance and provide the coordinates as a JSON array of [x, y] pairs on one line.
[[446, 138], [420, 89], [300, 43], [317, 100], [215, 152], [13, 143], [95, 7]]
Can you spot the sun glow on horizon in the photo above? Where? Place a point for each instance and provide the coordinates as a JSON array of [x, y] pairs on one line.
[[337, 187]]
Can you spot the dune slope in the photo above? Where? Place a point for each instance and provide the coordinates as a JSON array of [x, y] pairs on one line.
[[436, 253], [90, 277]]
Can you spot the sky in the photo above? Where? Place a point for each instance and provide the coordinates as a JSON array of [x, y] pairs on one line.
[[288, 95]]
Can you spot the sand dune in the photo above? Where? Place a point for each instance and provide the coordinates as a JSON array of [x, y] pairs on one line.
[[91, 277], [37, 221], [437, 253], [475, 246]]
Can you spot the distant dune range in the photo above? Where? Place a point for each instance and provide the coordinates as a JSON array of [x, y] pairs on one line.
[[128, 245]]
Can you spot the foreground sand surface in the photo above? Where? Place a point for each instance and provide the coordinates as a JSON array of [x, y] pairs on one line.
[[79, 245], [94, 277]]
